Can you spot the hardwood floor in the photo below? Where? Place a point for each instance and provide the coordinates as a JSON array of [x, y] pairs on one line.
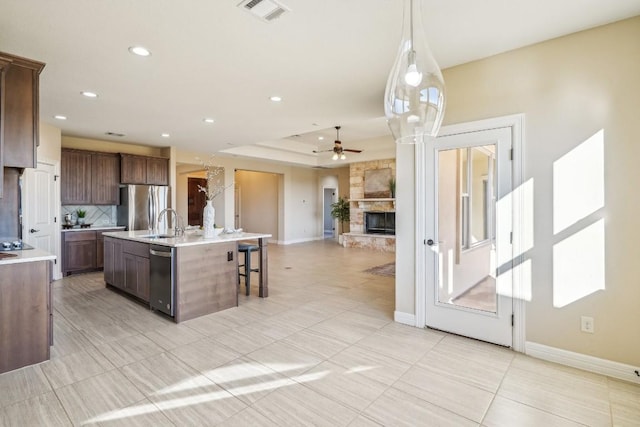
[[321, 350]]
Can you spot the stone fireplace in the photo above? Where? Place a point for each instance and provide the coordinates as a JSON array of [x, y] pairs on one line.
[[379, 235], [380, 223]]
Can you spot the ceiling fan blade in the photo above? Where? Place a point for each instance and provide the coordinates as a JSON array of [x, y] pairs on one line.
[[352, 151], [322, 151]]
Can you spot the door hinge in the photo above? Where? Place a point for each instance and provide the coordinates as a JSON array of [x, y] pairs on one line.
[[511, 154], [55, 177], [512, 320], [511, 237], [55, 219]]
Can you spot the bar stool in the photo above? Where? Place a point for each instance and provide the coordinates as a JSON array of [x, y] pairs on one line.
[[246, 248]]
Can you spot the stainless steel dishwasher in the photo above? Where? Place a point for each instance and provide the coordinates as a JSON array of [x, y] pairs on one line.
[[162, 279]]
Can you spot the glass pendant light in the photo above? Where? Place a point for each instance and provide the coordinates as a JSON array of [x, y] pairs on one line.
[[414, 99], [335, 156]]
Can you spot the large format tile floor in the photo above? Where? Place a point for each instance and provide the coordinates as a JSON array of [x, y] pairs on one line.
[[321, 350]]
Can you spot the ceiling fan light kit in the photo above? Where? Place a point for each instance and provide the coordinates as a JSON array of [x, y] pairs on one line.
[[338, 151], [414, 99]]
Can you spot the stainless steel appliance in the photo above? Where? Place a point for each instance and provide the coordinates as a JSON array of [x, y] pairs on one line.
[[140, 205], [161, 269]]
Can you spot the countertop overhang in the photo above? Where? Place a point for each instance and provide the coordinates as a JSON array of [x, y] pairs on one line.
[[94, 228], [188, 239], [27, 255]]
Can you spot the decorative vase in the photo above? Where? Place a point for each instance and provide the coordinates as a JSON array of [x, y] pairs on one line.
[[208, 220]]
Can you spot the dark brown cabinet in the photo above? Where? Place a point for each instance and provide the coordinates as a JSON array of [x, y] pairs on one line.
[[25, 314], [89, 178], [19, 113], [78, 251], [143, 170], [126, 266], [75, 177]]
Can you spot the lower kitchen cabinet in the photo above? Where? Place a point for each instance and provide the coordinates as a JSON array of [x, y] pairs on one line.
[[78, 251], [126, 266]]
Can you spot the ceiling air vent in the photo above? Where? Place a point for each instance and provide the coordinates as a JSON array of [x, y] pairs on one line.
[[266, 10]]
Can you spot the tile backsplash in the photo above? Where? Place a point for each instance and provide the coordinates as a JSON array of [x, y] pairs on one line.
[[96, 215]]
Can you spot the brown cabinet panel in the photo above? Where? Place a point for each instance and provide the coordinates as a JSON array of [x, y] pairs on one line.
[[21, 116], [105, 173], [142, 266], [75, 177], [113, 262], [78, 251], [99, 250], [133, 169], [143, 170], [157, 171], [25, 314]]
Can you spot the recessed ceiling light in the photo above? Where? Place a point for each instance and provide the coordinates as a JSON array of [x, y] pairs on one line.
[[89, 94], [320, 138], [139, 50], [208, 120], [59, 117], [276, 98], [165, 135]]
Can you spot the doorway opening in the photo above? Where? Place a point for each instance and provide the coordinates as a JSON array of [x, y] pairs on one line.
[[329, 223], [196, 200]]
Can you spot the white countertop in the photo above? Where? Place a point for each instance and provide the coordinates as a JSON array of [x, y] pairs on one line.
[[190, 238], [28, 255], [95, 228]]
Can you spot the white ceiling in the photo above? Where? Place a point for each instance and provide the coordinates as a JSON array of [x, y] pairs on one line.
[[327, 59]]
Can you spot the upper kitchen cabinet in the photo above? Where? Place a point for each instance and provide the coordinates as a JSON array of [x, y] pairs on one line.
[[20, 110], [143, 170], [89, 178], [105, 170]]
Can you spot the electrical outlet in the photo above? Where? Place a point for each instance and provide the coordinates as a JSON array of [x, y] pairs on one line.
[[586, 324]]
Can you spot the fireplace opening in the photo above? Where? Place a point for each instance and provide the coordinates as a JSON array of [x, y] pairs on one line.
[[380, 223]]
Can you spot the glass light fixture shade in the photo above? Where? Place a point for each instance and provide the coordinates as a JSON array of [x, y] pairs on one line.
[[343, 157], [414, 99], [335, 156]]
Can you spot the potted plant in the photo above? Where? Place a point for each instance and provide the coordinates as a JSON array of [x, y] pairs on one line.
[[341, 211], [81, 213]]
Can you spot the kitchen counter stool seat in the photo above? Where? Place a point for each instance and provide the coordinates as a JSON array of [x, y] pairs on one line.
[[245, 269]]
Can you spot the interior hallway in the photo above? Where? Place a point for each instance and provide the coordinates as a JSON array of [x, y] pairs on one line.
[[321, 350]]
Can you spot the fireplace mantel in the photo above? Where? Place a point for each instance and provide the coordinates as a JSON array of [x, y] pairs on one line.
[[365, 203]]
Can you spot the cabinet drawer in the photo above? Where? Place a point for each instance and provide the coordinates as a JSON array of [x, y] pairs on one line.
[[136, 248], [76, 236]]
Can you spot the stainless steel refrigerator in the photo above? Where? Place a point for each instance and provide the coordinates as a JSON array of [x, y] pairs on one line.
[[140, 206]]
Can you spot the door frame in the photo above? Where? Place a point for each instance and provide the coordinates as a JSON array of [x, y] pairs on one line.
[[516, 123], [334, 221]]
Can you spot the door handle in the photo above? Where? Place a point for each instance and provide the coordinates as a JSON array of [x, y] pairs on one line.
[[430, 242], [33, 230]]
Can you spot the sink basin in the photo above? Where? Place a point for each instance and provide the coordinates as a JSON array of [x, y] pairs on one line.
[[157, 236]]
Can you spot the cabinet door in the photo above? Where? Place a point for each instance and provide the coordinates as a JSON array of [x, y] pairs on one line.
[[79, 251], [142, 268], [4, 66], [21, 118], [157, 171], [130, 273], [109, 260], [105, 173], [133, 169], [75, 177], [99, 251]]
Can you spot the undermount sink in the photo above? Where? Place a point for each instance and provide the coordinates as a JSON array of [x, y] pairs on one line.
[[157, 236]]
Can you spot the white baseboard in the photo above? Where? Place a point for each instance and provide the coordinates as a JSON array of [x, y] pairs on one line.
[[583, 361], [404, 318], [293, 241]]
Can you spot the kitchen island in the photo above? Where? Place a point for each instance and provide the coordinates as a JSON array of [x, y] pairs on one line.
[[26, 321], [182, 276]]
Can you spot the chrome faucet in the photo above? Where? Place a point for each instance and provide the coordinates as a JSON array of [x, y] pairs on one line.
[[179, 223]]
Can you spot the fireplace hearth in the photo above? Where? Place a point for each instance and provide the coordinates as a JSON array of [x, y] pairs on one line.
[[380, 223]]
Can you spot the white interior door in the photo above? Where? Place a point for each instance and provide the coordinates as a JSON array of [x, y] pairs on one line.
[[469, 229], [40, 210]]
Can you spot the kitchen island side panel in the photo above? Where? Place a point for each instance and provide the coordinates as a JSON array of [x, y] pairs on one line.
[[24, 314], [206, 279]]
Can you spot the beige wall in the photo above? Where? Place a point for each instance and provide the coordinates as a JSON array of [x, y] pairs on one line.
[[50, 142], [258, 201], [569, 89]]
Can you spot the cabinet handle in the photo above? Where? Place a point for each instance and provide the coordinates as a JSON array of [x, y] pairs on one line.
[[33, 230]]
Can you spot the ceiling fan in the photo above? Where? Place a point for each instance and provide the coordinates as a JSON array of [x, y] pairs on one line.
[[338, 151]]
